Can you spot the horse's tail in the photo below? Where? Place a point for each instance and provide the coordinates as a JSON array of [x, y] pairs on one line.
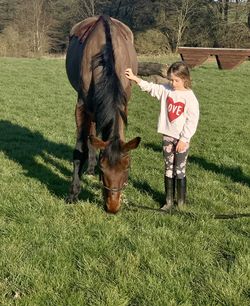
[[109, 98]]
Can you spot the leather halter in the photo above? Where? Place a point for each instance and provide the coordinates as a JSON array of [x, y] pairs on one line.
[[115, 189]]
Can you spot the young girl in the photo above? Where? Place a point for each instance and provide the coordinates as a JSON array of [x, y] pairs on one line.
[[177, 123]]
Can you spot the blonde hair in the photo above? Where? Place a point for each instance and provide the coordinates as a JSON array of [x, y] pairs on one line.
[[181, 70]]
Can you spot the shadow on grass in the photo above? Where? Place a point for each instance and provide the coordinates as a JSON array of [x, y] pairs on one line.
[[191, 215], [153, 146], [234, 173], [160, 198], [230, 216], [146, 188], [24, 147]]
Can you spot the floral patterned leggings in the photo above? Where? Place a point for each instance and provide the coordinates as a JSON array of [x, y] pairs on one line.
[[175, 162]]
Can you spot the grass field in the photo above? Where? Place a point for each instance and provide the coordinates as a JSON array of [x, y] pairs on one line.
[[57, 254]]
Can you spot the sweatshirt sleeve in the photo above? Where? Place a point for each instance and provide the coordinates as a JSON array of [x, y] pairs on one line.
[[155, 90], [192, 119]]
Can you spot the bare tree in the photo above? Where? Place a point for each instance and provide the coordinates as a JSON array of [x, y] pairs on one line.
[[184, 14], [178, 16], [87, 8], [33, 23]]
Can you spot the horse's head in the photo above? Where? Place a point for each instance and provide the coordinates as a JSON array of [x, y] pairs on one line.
[[114, 175]]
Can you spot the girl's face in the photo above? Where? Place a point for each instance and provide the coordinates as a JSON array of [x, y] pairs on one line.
[[176, 82]]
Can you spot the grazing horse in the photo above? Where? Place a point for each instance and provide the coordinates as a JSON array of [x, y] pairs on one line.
[[100, 49]]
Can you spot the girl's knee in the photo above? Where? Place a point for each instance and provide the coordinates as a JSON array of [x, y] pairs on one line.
[[180, 174], [169, 173]]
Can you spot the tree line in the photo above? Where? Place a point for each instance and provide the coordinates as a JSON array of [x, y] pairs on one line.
[[38, 27]]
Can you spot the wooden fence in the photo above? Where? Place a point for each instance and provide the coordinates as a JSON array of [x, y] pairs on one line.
[[226, 58]]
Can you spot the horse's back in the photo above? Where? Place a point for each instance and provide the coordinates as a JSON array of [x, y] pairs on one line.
[[87, 39], [81, 28], [74, 55]]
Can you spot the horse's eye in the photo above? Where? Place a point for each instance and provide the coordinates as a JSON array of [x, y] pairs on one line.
[[102, 164], [126, 161]]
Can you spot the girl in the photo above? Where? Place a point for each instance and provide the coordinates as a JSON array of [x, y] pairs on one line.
[[177, 123]]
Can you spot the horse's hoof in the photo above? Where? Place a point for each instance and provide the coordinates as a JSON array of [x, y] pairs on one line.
[[167, 208], [90, 172], [71, 199]]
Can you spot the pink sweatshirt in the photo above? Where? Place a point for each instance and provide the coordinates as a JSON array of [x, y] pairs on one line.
[[179, 113]]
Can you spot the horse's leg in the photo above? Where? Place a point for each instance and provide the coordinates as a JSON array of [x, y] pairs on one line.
[[80, 153], [92, 152]]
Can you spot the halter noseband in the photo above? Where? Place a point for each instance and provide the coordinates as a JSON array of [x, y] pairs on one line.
[[115, 189]]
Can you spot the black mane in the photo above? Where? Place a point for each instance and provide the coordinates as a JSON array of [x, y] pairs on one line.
[[107, 98]]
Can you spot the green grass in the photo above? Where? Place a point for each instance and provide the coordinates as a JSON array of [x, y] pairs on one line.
[[58, 254]]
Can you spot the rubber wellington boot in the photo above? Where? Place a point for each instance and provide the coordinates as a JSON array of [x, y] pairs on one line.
[[181, 192], [169, 190]]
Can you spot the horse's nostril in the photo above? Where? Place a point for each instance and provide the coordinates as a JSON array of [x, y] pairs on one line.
[[111, 211], [113, 204]]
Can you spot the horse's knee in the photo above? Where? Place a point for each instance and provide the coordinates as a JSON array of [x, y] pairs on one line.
[[91, 159], [80, 155]]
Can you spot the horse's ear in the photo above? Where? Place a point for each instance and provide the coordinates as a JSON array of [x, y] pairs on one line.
[[98, 143], [130, 145]]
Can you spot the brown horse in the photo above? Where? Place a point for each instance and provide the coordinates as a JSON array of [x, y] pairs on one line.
[[100, 49]]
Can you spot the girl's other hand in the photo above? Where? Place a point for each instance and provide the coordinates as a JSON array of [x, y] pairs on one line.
[[181, 146]]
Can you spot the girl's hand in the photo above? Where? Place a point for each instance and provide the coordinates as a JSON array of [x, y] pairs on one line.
[[129, 74], [181, 146]]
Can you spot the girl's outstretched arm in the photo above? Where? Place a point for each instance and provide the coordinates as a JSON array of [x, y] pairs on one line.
[[155, 90]]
